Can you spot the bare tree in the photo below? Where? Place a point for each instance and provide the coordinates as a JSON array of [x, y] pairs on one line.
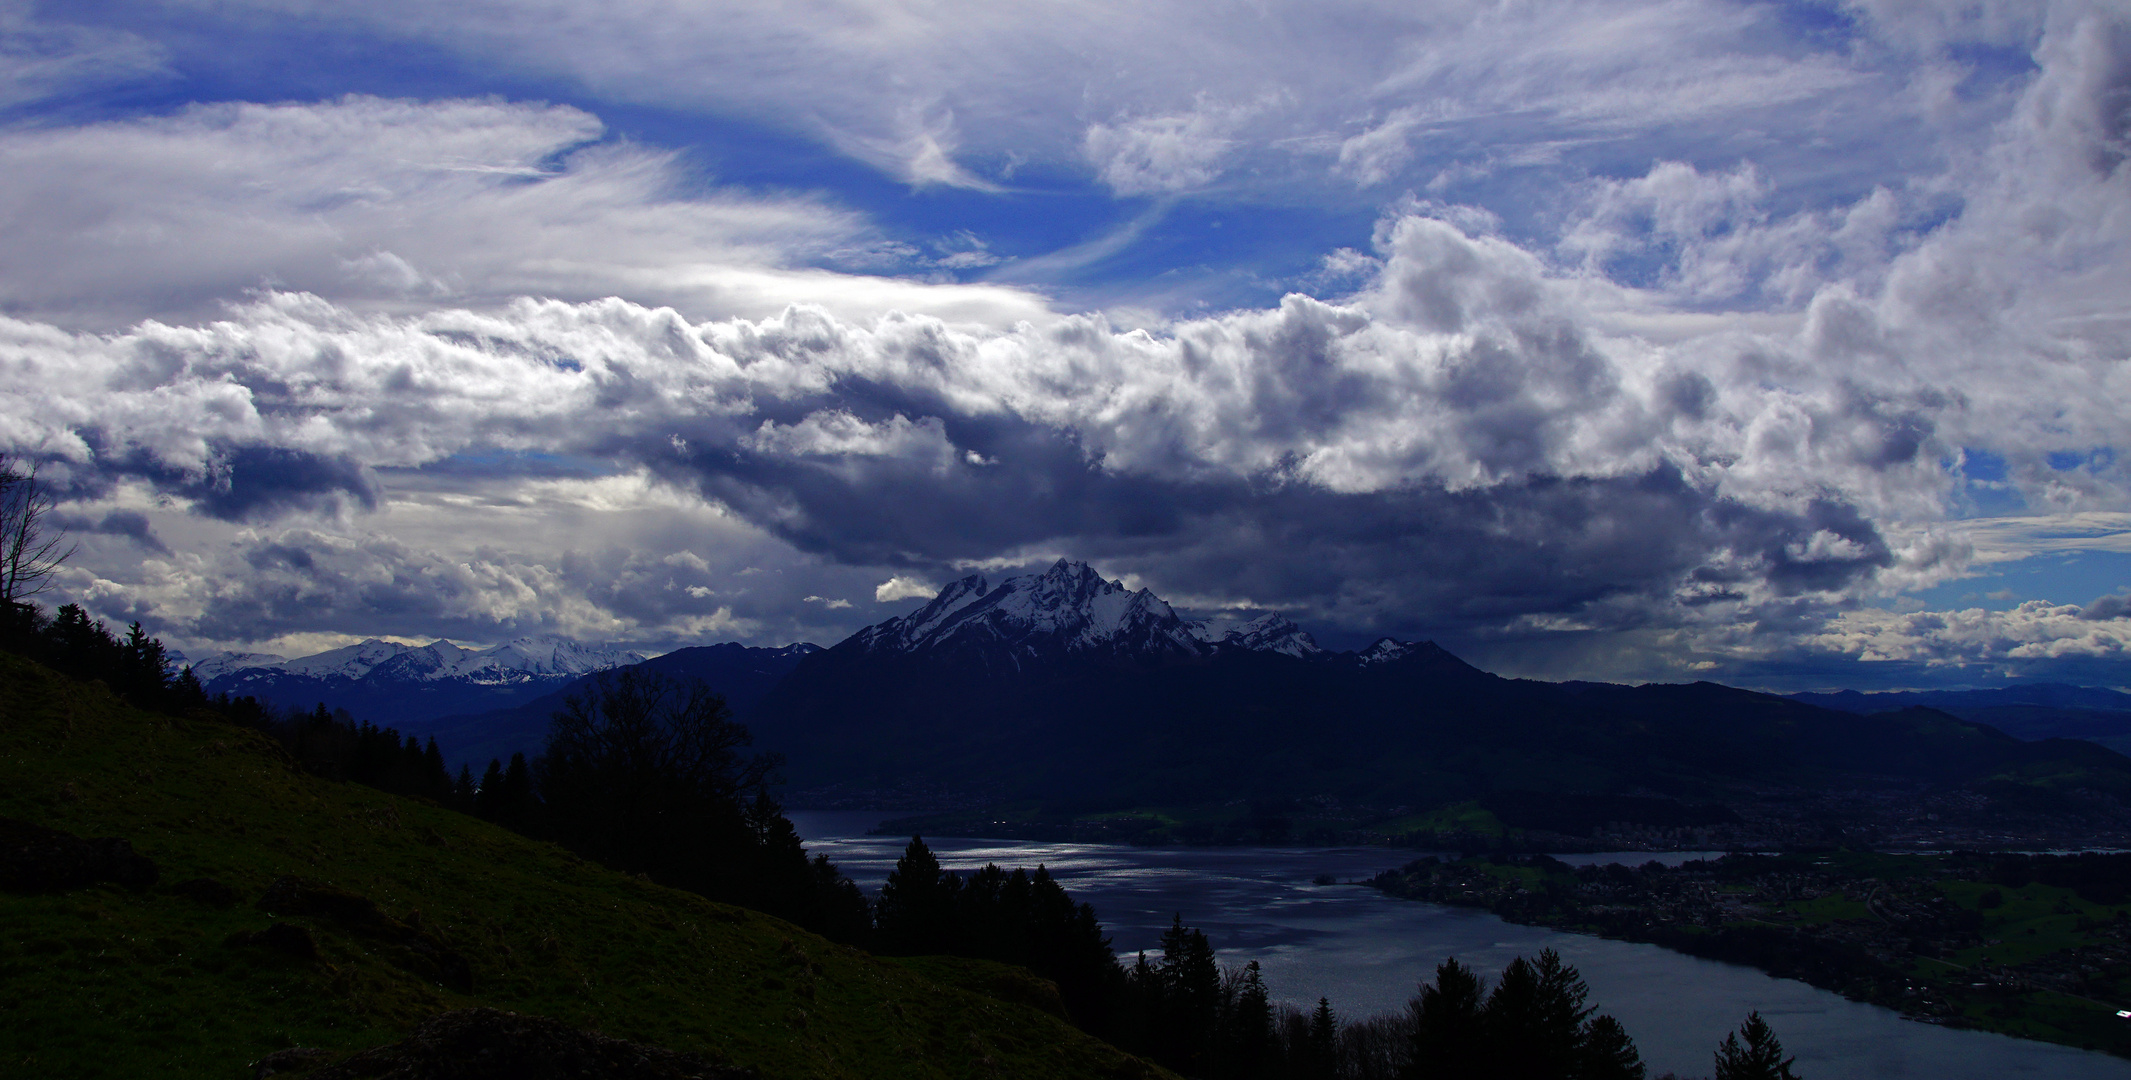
[[31, 548]]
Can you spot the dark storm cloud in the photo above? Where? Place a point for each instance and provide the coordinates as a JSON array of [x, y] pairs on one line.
[[131, 524], [302, 580], [263, 482], [2107, 607]]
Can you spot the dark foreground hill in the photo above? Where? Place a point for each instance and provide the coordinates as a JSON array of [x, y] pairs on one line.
[[278, 911]]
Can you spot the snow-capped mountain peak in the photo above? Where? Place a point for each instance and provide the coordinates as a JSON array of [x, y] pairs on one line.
[[1270, 632], [347, 662], [1068, 608], [216, 665], [1071, 609], [530, 658]]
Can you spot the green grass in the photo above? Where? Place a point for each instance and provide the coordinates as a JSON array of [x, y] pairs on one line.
[[105, 982], [1830, 908], [1465, 817]]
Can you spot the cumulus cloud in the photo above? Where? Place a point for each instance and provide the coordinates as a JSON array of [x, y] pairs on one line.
[[2035, 630], [1456, 411]]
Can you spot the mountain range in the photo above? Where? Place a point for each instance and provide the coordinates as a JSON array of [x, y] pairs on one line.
[[1064, 689], [405, 686]]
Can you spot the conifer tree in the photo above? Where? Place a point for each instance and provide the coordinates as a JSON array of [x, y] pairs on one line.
[[915, 912], [186, 691], [1250, 1041], [515, 805], [1608, 1052], [1759, 1057], [144, 667], [436, 779], [488, 798], [1449, 1042], [1191, 992], [1321, 1055]]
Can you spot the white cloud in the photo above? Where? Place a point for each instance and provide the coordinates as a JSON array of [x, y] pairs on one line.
[[1379, 153], [901, 587], [1022, 83], [1166, 154], [2033, 631], [398, 203]]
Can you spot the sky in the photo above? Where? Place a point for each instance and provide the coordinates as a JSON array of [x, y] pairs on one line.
[[1781, 344]]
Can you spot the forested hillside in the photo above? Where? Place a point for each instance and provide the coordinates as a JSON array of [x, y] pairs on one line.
[[287, 910]]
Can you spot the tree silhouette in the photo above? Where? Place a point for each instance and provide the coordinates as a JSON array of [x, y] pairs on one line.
[[645, 773], [915, 913], [31, 551], [1448, 1040], [1321, 1053], [1759, 1057], [1608, 1052]]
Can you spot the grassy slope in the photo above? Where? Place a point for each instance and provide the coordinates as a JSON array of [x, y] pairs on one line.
[[103, 982]]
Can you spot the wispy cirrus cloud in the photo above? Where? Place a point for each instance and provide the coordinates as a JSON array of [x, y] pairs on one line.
[[401, 204]]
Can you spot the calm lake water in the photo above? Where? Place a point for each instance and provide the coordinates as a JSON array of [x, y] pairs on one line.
[[1366, 952]]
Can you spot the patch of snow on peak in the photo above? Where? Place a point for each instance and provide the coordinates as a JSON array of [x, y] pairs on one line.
[[347, 662], [1270, 632], [1068, 603], [544, 657], [1386, 650], [223, 663]]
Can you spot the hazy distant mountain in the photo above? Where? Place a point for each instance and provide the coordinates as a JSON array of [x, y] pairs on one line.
[[2025, 711], [740, 673], [403, 685]]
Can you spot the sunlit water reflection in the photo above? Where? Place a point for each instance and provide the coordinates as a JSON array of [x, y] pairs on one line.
[[1366, 951]]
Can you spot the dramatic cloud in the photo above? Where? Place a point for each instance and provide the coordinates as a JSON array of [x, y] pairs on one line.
[[1695, 330], [1449, 447]]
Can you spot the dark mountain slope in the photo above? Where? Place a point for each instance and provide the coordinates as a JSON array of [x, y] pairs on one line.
[[1420, 729], [2026, 711], [741, 673]]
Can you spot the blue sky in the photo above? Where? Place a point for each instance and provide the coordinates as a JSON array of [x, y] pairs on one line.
[[1777, 343]]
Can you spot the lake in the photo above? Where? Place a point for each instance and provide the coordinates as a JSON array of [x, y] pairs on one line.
[[1366, 952]]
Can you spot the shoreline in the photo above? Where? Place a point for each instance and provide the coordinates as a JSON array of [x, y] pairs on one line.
[[2037, 962]]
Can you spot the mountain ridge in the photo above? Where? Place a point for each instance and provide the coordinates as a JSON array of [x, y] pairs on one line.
[[404, 685], [1067, 688], [1068, 609]]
